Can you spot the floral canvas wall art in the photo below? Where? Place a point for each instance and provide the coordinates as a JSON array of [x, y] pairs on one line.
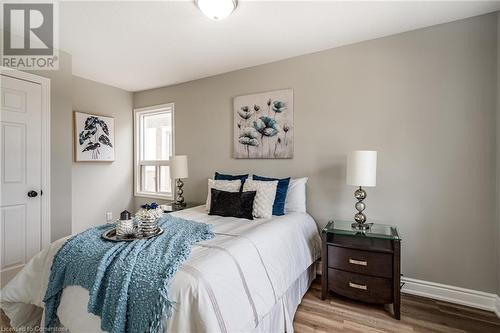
[[94, 138], [263, 125]]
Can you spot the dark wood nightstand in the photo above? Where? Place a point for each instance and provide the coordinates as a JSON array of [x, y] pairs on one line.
[[362, 265]]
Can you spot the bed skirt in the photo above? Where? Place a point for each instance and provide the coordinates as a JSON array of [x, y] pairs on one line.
[[280, 318]]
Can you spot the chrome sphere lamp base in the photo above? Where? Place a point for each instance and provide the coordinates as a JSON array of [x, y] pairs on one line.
[[179, 201], [360, 206]]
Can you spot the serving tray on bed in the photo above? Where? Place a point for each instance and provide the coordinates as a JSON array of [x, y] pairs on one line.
[[110, 235]]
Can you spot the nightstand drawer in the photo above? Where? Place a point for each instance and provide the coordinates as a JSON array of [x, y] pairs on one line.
[[361, 287], [358, 261]]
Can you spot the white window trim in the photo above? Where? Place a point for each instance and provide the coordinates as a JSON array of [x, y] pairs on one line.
[[137, 160]]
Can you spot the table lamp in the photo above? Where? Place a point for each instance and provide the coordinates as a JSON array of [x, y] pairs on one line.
[[179, 171], [361, 171]]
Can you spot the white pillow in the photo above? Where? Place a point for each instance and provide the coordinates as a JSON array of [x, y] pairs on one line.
[[296, 196], [264, 198], [223, 185]]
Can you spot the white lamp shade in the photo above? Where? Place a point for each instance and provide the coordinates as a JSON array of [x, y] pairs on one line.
[[179, 167], [362, 168]]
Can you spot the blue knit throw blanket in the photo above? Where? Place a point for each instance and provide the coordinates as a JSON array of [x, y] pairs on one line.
[[127, 281]]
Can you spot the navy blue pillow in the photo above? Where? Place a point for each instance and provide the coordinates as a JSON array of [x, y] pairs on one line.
[[221, 176], [281, 191]]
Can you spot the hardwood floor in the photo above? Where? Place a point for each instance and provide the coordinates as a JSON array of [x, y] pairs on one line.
[[4, 322], [418, 314]]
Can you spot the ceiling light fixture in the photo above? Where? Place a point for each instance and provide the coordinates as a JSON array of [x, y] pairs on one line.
[[217, 9]]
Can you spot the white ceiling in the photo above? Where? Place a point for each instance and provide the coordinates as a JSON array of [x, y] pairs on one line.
[[142, 45]]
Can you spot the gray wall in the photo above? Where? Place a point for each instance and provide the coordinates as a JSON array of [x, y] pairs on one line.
[[498, 150], [426, 100], [83, 192], [100, 187], [61, 146]]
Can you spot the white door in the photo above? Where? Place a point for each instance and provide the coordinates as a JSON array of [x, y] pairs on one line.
[[20, 173]]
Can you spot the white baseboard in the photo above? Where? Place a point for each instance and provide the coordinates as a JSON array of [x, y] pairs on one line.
[[456, 295]]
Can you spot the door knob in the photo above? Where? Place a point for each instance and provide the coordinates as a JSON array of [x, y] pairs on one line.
[[32, 194]]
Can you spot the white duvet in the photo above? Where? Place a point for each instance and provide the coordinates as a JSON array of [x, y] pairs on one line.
[[229, 284]]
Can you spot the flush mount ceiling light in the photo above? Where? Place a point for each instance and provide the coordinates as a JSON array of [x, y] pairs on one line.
[[217, 9]]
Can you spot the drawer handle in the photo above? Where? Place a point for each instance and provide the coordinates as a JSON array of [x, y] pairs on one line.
[[358, 262], [358, 286]]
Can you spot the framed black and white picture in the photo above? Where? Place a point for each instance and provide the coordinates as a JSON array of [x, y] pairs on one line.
[[263, 125], [94, 138]]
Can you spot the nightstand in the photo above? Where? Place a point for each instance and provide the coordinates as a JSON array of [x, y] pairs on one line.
[[362, 265], [171, 207]]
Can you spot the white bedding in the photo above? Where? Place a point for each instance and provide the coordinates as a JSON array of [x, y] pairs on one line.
[[231, 283]]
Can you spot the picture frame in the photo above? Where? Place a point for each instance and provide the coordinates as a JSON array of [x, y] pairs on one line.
[[94, 137], [263, 126]]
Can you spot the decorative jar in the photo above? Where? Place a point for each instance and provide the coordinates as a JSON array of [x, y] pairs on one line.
[[125, 225], [147, 226], [147, 218]]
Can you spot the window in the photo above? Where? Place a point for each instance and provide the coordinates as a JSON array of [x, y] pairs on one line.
[[154, 147]]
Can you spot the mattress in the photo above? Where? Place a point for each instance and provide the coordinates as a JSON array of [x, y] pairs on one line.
[[235, 282]]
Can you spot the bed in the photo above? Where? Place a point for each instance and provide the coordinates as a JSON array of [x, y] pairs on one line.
[[249, 278]]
